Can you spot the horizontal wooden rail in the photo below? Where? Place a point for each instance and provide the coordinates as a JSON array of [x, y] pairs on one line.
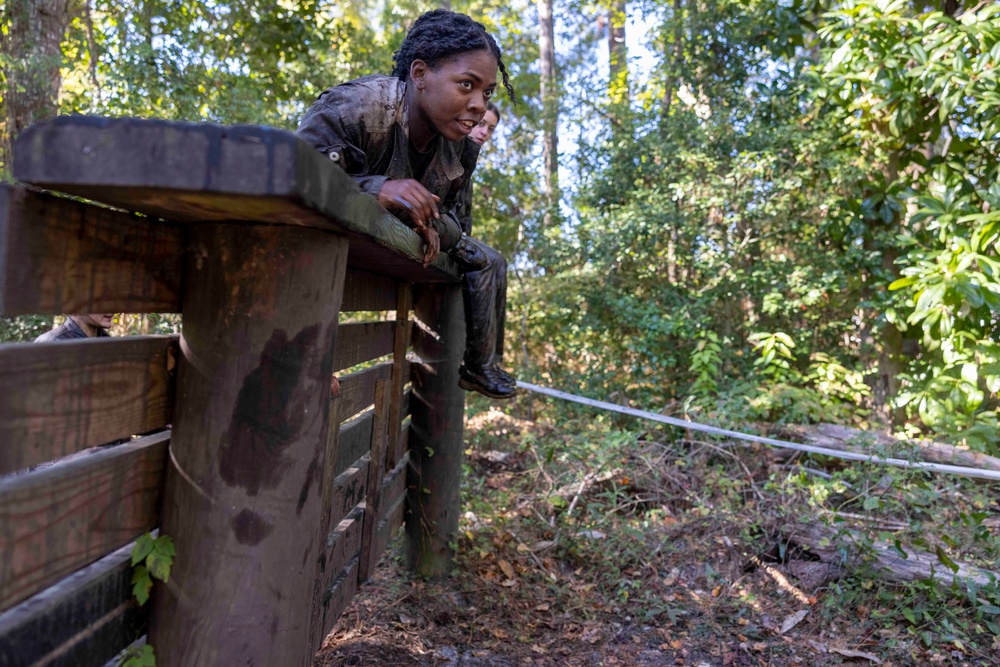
[[362, 341], [63, 256], [60, 255], [368, 291], [55, 520], [355, 439], [84, 620], [341, 591], [62, 397], [357, 390], [198, 172], [392, 505]]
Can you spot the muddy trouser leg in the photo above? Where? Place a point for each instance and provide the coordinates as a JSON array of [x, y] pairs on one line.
[[485, 296]]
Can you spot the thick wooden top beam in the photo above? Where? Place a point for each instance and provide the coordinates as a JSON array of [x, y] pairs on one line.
[[200, 171]]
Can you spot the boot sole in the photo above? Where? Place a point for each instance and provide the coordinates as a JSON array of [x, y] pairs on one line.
[[469, 386]]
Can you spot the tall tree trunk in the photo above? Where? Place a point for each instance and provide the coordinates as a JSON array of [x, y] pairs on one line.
[[677, 49], [550, 110], [32, 58], [882, 343], [618, 54]]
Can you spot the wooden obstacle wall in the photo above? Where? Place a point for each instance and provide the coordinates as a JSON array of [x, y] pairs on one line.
[[279, 492]]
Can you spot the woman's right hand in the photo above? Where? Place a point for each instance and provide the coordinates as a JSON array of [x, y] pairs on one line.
[[409, 197]]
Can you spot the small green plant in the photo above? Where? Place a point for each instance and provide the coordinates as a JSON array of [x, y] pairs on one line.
[[139, 656], [775, 351], [706, 362], [151, 557]]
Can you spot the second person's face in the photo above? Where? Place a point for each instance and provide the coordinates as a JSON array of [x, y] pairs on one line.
[[452, 96], [483, 132]]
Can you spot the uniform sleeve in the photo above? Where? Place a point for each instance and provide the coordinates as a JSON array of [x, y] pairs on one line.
[[333, 125], [463, 207], [458, 203]]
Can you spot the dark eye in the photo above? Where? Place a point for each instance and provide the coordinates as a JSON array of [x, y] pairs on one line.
[[465, 84], [489, 93]]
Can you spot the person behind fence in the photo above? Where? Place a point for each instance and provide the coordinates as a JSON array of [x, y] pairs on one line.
[[479, 352], [80, 326], [404, 140]]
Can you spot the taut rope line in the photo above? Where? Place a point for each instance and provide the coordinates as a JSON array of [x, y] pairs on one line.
[[993, 475]]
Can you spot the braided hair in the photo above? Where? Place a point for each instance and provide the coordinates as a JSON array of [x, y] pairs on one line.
[[441, 34]]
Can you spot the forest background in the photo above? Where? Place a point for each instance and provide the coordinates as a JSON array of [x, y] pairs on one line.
[[782, 211], [750, 213]]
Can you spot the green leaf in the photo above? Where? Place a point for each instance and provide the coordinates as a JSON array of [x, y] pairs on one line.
[[165, 546], [143, 547], [159, 566], [146, 658], [898, 546], [872, 503], [141, 584], [903, 282], [944, 559]]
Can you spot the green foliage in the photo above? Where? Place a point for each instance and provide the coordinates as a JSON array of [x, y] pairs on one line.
[[775, 351], [706, 362], [143, 656], [823, 171], [916, 92], [23, 328], [151, 558]]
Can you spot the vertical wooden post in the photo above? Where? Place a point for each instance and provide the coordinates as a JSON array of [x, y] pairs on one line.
[[242, 501], [318, 622], [437, 407], [376, 473], [404, 301]]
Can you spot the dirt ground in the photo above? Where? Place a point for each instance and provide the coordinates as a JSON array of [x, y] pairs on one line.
[[683, 585]]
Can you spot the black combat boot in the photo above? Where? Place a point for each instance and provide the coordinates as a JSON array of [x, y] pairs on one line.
[[489, 381]]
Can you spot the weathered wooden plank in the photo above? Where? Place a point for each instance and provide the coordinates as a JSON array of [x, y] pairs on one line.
[[362, 341], [401, 370], [404, 437], [83, 621], [376, 471], [436, 430], [64, 256], [391, 520], [403, 441], [393, 485], [327, 480], [369, 291], [355, 440], [343, 544], [201, 171], [57, 519], [343, 590], [61, 397], [349, 490], [357, 390], [243, 498]]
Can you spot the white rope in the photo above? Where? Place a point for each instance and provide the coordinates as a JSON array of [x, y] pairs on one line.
[[694, 426]]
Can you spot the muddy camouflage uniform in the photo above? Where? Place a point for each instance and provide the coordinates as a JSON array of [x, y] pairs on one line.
[[476, 282], [362, 126], [69, 330]]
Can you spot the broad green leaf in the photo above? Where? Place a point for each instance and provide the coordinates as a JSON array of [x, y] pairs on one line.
[[945, 560], [143, 547]]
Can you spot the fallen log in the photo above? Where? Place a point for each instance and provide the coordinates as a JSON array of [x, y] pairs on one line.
[[847, 548], [843, 438]]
